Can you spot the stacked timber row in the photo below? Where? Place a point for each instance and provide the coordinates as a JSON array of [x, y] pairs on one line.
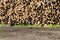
[[30, 11]]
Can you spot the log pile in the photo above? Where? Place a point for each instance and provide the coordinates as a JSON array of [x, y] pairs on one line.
[[30, 11]]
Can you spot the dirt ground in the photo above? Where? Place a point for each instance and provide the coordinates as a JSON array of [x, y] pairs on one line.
[[12, 33]]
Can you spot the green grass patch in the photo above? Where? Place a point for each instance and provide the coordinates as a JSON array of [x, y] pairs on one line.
[[52, 25], [2, 25], [28, 25], [33, 25], [37, 25]]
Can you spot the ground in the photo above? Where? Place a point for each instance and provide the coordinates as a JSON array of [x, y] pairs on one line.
[[11, 33]]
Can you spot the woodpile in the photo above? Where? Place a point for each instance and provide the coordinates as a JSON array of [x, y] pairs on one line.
[[30, 11]]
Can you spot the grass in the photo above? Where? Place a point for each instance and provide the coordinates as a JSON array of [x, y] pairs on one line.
[[28, 25], [2, 25], [52, 26], [34, 25]]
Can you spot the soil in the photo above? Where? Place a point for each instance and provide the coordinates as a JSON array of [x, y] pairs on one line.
[[11, 33]]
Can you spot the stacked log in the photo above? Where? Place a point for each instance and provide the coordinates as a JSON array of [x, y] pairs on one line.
[[30, 11]]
